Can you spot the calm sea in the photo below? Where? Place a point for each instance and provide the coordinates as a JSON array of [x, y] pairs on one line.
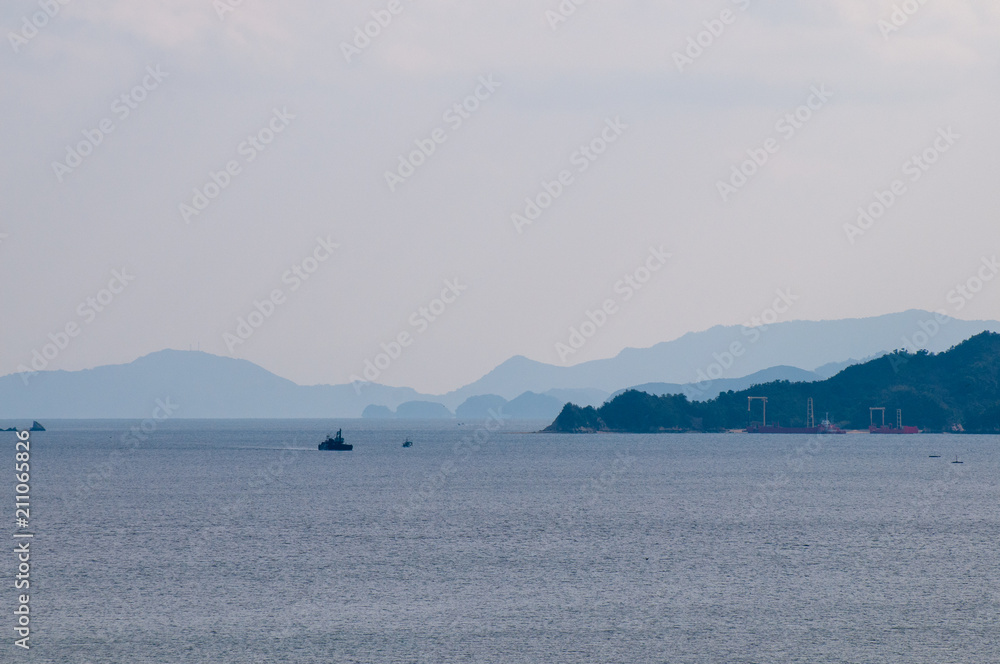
[[237, 541]]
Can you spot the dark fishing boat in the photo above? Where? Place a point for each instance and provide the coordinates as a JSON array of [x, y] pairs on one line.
[[335, 444], [408, 443]]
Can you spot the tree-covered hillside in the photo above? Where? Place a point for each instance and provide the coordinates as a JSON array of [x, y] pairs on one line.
[[937, 392]]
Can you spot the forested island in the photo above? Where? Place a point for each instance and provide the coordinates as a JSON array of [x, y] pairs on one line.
[[956, 390]]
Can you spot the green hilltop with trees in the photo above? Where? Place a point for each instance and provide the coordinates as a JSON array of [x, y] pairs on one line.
[[956, 390]]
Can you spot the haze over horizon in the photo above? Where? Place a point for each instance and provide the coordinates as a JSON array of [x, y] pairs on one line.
[[297, 132]]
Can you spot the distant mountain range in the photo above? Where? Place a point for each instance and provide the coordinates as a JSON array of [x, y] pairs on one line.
[[702, 356], [204, 386], [707, 391], [701, 365], [957, 390], [528, 406]]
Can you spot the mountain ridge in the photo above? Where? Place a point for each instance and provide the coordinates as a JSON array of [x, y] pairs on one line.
[[954, 390], [700, 356], [214, 386]]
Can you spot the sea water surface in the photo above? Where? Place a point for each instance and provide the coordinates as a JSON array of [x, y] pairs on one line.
[[237, 541]]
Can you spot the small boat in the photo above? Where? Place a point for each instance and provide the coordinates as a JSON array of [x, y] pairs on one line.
[[335, 444], [956, 460], [408, 443], [934, 456]]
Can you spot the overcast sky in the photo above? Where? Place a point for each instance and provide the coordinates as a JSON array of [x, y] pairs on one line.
[[184, 86]]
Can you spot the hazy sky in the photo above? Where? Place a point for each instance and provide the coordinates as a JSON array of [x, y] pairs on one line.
[[267, 90]]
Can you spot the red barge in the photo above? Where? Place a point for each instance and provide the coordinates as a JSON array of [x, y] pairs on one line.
[[824, 427], [884, 428]]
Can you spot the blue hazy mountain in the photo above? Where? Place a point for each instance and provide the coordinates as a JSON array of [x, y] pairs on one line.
[[585, 396], [205, 385], [710, 389], [201, 384], [956, 390], [423, 410], [411, 410], [532, 406], [831, 369], [700, 355], [376, 412], [479, 406], [527, 406]]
